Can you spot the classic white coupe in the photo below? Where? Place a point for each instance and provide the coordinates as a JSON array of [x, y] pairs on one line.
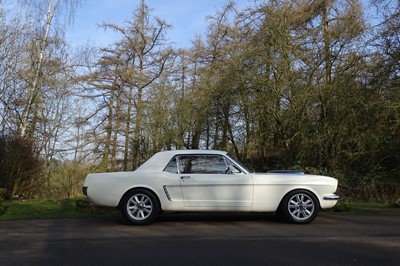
[[209, 180]]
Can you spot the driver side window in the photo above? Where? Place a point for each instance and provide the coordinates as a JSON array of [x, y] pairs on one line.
[[202, 164]]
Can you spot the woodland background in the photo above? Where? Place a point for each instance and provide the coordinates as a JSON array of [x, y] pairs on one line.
[[292, 84]]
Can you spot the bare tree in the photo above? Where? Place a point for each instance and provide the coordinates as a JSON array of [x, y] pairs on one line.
[[49, 10], [142, 47]]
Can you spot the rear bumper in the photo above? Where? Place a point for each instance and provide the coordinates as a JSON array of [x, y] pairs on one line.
[[84, 191]]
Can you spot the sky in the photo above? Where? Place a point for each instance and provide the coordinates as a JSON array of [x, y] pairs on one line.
[[188, 18]]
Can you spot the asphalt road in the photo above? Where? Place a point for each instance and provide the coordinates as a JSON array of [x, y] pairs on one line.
[[333, 239]]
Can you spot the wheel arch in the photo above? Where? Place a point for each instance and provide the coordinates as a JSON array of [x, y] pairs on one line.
[[143, 188], [298, 190]]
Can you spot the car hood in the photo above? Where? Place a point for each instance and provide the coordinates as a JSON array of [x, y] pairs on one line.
[[283, 178]]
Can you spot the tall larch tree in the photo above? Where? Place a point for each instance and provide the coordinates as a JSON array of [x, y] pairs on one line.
[[145, 50]]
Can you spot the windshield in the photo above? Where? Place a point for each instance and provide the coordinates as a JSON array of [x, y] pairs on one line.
[[239, 164]]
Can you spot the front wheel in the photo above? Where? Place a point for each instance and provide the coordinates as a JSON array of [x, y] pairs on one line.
[[140, 207], [299, 207]]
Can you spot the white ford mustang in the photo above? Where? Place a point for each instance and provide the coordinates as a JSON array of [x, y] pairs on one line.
[[208, 180]]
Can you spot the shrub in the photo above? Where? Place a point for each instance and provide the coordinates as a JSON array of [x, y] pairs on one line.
[[2, 207], [67, 179], [397, 203], [3, 192], [20, 167]]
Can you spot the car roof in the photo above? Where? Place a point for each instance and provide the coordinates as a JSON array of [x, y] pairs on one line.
[[198, 151], [159, 160]]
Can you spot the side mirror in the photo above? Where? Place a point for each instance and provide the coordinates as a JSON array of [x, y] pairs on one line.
[[233, 170], [228, 171]]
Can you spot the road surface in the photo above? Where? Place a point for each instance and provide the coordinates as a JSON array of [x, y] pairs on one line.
[[223, 239]]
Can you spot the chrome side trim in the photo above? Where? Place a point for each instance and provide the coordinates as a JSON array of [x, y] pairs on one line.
[[167, 193], [331, 197]]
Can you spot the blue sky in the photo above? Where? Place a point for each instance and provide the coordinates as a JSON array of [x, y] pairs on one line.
[[188, 18]]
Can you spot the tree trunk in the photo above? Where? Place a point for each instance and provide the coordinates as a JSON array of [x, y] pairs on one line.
[[36, 79]]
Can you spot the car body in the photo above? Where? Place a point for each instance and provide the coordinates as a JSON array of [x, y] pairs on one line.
[[212, 181]]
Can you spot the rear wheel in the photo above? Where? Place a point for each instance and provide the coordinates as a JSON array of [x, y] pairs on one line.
[[140, 207], [299, 207]]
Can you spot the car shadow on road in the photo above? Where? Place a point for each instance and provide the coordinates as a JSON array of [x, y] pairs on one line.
[[213, 217]]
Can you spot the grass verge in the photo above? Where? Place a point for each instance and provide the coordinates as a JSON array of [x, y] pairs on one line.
[[53, 209], [365, 208], [81, 208]]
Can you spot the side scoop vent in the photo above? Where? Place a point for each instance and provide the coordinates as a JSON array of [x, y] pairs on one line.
[[286, 172]]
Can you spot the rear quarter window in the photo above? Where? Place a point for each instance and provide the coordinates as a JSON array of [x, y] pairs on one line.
[[172, 167]]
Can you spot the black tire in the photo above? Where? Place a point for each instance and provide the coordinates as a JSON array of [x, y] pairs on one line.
[[140, 207], [299, 207]]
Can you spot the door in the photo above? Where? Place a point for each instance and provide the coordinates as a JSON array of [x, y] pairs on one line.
[[212, 181]]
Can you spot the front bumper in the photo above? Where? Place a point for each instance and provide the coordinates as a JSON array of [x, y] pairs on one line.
[[331, 197]]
